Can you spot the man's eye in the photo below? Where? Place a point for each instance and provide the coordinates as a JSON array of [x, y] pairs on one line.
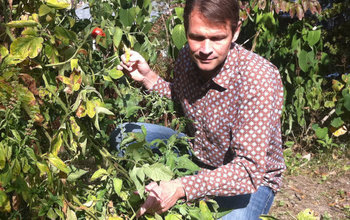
[[217, 38]]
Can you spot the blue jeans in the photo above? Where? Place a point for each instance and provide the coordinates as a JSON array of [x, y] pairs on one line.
[[246, 207]]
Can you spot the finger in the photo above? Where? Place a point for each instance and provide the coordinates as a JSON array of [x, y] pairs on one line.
[[150, 186], [151, 204]]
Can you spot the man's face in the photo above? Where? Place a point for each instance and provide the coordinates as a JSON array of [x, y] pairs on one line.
[[209, 42]]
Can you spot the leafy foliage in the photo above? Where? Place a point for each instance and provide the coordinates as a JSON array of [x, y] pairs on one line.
[[61, 96]]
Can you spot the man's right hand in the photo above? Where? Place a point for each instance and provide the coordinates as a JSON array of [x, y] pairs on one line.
[[138, 69]]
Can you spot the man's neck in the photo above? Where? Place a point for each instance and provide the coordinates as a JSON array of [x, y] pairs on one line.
[[207, 75]]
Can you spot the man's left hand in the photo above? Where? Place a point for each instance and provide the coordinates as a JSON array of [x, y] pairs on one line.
[[161, 197]]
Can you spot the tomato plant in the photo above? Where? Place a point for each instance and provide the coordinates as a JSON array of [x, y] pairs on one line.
[[61, 96], [97, 32]]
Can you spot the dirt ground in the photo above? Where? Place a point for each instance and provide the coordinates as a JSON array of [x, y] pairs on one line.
[[323, 190]]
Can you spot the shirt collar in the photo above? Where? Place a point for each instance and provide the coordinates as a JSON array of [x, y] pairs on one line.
[[223, 78]]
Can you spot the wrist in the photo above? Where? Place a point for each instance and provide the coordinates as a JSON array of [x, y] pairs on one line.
[[180, 191], [150, 79]]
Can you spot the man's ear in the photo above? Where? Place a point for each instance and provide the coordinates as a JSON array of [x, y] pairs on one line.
[[238, 30]]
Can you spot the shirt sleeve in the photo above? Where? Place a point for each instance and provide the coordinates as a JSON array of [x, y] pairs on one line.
[[257, 121], [162, 87]]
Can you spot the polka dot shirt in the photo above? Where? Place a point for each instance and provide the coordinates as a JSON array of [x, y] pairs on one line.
[[236, 129]]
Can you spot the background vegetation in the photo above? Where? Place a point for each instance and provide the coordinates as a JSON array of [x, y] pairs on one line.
[[61, 97]]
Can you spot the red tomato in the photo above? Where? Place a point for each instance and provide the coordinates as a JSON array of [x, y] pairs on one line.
[[98, 31]]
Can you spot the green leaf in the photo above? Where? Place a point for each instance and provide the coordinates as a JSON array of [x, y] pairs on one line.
[[58, 163], [304, 61], [117, 185], [71, 215], [321, 133], [306, 214], [65, 35], [2, 157], [51, 53], [337, 122], [171, 216], [127, 16], [158, 172], [313, 37], [30, 153], [98, 174], [44, 10], [179, 36], [76, 174], [115, 74], [347, 101], [25, 165], [16, 167], [28, 46], [184, 162], [51, 214], [22, 24], [5, 205], [180, 13], [135, 174], [58, 4], [117, 37]]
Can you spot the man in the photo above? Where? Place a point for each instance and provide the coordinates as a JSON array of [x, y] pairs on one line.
[[235, 99]]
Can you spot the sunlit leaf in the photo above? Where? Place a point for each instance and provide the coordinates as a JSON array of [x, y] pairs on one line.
[[22, 23], [98, 174], [158, 172], [65, 35], [171, 216], [28, 46], [313, 37], [340, 131], [117, 37], [58, 4], [205, 212], [117, 185], [58, 163], [76, 174], [74, 64], [307, 214], [81, 111], [115, 74], [44, 10], [90, 108], [75, 126], [56, 144], [5, 205], [2, 157], [179, 36]]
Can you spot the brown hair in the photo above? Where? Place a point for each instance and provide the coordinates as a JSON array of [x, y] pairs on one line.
[[218, 11]]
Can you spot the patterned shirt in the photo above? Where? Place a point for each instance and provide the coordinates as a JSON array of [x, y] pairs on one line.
[[236, 129]]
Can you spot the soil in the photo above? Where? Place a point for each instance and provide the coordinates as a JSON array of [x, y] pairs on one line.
[[323, 190]]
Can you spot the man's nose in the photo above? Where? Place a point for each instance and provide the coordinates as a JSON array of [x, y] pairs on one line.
[[206, 47]]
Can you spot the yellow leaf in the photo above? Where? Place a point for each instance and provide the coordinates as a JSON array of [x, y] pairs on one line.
[[44, 169], [75, 126], [90, 108], [22, 23], [74, 64], [56, 144], [81, 111], [58, 4], [58, 163], [341, 131]]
